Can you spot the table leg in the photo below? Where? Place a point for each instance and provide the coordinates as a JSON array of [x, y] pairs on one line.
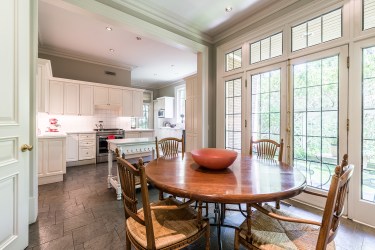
[[109, 168], [118, 190], [218, 221]]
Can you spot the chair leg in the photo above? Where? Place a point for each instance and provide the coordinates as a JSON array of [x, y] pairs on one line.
[[237, 239], [206, 209], [277, 204], [127, 242], [207, 236], [161, 195]]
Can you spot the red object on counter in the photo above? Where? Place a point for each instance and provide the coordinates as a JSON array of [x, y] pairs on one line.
[[214, 158], [110, 137]]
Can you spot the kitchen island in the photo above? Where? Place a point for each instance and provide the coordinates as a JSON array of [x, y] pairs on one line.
[[130, 149]]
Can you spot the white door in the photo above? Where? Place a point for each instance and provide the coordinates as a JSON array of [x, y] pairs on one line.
[[318, 104], [361, 133], [15, 78], [266, 105]]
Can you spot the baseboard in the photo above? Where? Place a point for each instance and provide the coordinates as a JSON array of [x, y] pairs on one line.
[[79, 163]]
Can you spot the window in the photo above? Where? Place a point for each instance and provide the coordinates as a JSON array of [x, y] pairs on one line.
[[233, 60], [368, 14], [265, 108], [145, 120], [315, 126], [318, 30], [266, 48], [233, 114], [368, 124], [180, 94]]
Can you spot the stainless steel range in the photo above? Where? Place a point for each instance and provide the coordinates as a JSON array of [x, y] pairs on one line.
[[102, 135]]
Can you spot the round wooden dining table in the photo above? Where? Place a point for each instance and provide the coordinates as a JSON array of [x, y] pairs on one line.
[[248, 180]]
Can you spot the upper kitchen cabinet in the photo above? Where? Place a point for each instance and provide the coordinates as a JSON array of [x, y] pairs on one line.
[[44, 73], [165, 107], [132, 103], [56, 97], [86, 100], [71, 99], [107, 96]]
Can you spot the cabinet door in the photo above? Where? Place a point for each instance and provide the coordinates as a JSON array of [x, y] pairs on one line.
[[55, 157], [100, 96], [147, 134], [71, 99], [86, 100], [115, 97], [132, 135], [44, 73], [127, 103], [41, 157], [137, 103], [56, 97], [72, 147]]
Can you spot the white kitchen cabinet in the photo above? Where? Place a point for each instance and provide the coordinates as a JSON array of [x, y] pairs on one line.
[[86, 100], [166, 103], [56, 97], [72, 147], [52, 162], [83, 149], [107, 96], [71, 99], [139, 134], [132, 103], [44, 73]]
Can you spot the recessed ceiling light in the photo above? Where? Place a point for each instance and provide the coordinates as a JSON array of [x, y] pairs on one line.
[[139, 38], [228, 9], [108, 28], [111, 50]]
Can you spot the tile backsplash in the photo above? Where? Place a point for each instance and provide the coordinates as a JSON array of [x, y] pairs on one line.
[[71, 123]]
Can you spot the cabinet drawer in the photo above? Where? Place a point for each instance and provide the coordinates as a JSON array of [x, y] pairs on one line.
[[87, 143], [87, 136], [86, 153]]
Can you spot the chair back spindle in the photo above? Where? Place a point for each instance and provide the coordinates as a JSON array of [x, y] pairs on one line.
[[168, 147], [266, 148]]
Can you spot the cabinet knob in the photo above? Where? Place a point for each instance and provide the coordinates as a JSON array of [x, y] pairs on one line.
[[26, 147]]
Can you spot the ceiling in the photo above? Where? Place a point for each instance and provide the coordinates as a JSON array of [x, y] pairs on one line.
[[65, 29]]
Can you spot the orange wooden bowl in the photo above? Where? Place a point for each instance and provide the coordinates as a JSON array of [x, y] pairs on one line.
[[214, 158]]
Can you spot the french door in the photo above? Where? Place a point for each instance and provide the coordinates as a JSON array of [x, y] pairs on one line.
[[361, 133], [266, 105], [318, 117]]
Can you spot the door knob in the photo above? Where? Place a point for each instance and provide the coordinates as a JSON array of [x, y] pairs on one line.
[[25, 147]]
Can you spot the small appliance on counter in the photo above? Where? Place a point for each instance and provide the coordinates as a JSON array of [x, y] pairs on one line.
[[54, 125]]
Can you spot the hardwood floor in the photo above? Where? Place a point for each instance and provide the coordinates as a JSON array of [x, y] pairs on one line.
[[81, 213]]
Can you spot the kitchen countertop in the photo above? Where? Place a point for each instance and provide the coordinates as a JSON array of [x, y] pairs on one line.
[[175, 128], [50, 135]]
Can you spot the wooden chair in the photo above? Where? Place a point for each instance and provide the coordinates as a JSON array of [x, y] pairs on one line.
[[167, 224], [169, 147], [266, 148], [269, 228]]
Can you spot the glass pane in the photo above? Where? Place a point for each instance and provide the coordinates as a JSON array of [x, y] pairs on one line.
[[277, 45], [233, 114], [332, 25], [314, 31], [315, 115], [265, 49], [368, 124], [233, 60], [266, 125], [255, 52], [368, 14], [299, 40]]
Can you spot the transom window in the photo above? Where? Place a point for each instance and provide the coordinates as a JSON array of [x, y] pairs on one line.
[[233, 114], [318, 30], [233, 60], [266, 48], [368, 14]]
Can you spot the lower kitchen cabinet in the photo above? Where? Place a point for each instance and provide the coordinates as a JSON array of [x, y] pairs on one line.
[[51, 160], [139, 134], [81, 149]]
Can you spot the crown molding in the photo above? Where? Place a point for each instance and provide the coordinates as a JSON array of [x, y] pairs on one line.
[[83, 58], [157, 86], [274, 8]]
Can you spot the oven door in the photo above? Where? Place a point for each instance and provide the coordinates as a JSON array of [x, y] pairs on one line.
[[101, 145]]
